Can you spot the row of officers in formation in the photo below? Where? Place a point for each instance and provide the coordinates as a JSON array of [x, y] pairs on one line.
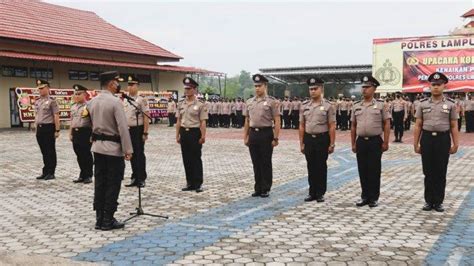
[[107, 130], [228, 113]]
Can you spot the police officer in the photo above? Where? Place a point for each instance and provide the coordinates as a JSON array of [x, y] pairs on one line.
[[370, 119], [138, 131], [261, 131], [111, 145], [286, 111], [191, 134], [238, 112], [399, 114], [80, 134], [469, 114], [436, 120], [343, 113], [295, 113], [317, 134], [47, 128], [171, 109]]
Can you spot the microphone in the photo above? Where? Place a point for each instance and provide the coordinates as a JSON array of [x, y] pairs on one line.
[[125, 96]]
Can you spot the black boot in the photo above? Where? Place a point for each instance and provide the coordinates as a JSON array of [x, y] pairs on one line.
[[110, 223], [99, 216]]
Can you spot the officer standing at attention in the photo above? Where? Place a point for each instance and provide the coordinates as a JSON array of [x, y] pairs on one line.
[[399, 114], [295, 114], [171, 110], [436, 120], [80, 134], [261, 131], [370, 119], [138, 133], [111, 145], [47, 128], [191, 134], [317, 135]]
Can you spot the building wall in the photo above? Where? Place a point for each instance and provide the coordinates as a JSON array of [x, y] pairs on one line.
[[159, 80], [171, 81]]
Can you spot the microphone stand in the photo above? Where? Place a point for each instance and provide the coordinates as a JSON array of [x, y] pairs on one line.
[[139, 210]]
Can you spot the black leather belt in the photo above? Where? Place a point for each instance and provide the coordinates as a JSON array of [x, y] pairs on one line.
[[81, 128], [436, 133], [317, 135], [190, 128], [103, 137], [369, 138], [257, 129], [45, 125]]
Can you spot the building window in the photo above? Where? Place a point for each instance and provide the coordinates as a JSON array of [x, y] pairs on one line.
[[78, 75], [41, 73], [144, 78], [11, 71], [94, 76]]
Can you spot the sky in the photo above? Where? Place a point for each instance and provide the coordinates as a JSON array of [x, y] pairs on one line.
[[230, 36]]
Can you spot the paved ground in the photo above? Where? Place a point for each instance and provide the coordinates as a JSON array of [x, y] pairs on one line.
[[223, 225]]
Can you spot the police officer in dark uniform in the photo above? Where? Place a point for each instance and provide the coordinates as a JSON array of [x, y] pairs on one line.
[[80, 134], [191, 134], [47, 128], [138, 131], [317, 134], [436, 122], [261, 131], [370, 120], [111, 145]]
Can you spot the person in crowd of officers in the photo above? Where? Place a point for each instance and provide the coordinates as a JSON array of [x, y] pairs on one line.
[[137, 112], [171, 108], [370, 121], [469, 114], [436, 136], [317, 135], [261, 132], [111, 145], [399, 116], [47, 129], [191, 134], [80, 132]]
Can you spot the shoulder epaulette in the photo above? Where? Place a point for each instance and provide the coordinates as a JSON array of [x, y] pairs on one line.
[[305, 102], [271, 97], [379, 100], [451, 100], [357, 102], [426, 99]]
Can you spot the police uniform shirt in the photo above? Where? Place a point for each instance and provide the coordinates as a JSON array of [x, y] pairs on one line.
[[369, 117], [46, 108], [286, 105], [214, 108], [469, 105], [261, 111], [108, 118], [191, 114], [343, 106], [296, 105], [398, 105], [238, 106], [225, 108], [437, 116], [171, 107], [130, 110], [80, 116], [316, 116]]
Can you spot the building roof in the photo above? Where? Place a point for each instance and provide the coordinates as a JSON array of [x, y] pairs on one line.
[[76, 60], [343, 73], [48, 23], [468, 14]]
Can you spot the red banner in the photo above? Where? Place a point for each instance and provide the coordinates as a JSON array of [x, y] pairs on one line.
[[457, 65], [28, 96]]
